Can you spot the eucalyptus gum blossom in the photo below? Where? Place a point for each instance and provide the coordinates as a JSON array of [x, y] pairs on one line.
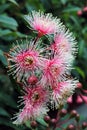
[[44, 70]]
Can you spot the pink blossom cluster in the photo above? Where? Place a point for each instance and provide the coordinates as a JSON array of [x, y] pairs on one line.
[[44, 70]]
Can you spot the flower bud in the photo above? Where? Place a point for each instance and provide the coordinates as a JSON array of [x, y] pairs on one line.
[[70, 127], [77, 117], [79, 12], [73, 113], [79, 85], [47, 119], [85, 9], [32, 80], [33, 124], [53, 121], [79, 100], [63, 112], [84, 125], [70, 100]]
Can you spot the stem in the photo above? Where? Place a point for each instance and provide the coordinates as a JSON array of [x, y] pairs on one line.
[[58, 125], [57, 119], [36, 39], [48, 128], [78, 126]]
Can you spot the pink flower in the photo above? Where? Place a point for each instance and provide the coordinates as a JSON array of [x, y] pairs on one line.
[[62, 92], [43, 23], [24, 60], [35, 100], [65, 42], [53, 71], [64, 46]]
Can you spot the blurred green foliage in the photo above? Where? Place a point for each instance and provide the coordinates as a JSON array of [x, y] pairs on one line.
[[13, 27]]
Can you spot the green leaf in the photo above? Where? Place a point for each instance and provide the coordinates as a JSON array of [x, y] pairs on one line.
[[27, 123], [84, 30], [75, 20], [3, 7], [7, 100], [71, 9], [3, 112], [3, 58], [6, 122], [63, 1], [8, 22], [12, 35], [14, 2], [80, 71], [81, 47], [42, 122], [47, 4], [4, 32]]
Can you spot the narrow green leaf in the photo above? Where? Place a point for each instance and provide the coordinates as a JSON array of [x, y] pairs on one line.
[[8, 100], [4, 7], [8, 22], [7, 122], [27, 123], [81, 47], [14, 2], [75, 20], [63, 1], [4, 32], [80, 71], [3, 58], [42, 122], [71, 9], [3, 112]]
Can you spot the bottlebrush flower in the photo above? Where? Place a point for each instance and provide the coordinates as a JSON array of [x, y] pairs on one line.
[[62, 92], [24, 59], [43, 23], [64, 41], [35, 100], [53, 71]]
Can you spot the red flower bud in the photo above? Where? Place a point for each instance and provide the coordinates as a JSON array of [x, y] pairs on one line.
[[77, 117], [73, 113], [84, 125], [32, 80], [79, 85], [70, 127], [47, 119], [53, 121], [79, 12], [85, 9], [63, 112], [33, 124]]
